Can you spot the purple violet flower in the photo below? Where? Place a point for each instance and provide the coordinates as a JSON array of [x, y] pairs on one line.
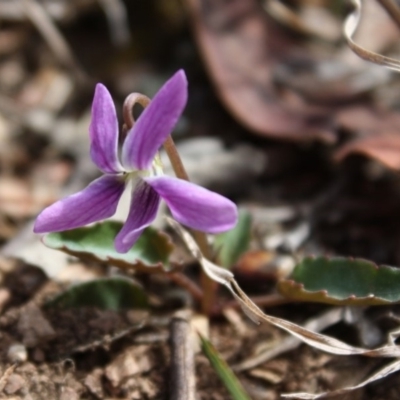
[[190, 204]]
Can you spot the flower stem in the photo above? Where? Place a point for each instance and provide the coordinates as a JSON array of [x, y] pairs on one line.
[[176, 162], [127, 109], [209, 286]]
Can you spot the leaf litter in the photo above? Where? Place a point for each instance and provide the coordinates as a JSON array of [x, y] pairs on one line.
[[314, 339]]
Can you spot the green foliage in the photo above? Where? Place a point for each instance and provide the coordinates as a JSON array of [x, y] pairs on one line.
[[150, 253], [222, 369], [232, 244], [342, 281], [114, 293]]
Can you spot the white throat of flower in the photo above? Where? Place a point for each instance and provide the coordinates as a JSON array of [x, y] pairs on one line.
[[156, 169]]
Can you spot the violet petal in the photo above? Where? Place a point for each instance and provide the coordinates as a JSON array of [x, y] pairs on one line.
[[155, 123], [97, 201], [143, 210], [103, 132], [195, 206]]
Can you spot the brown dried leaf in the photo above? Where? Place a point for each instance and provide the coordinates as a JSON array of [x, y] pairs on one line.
[[382, 373], [318, 324], [317, 340], [383, 148], [368, 119], [93, 382], [15, 382], [241, 46], [132, 361]]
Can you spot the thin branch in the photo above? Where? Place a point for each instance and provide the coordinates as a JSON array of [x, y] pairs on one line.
[[182, 386]]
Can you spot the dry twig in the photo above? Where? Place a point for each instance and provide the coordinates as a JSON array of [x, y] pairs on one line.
[[182, 386]]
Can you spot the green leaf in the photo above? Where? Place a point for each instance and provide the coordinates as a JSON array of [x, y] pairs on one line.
[[342, 281], [222, 369], [232, 244], [96, 243], [114, 293]]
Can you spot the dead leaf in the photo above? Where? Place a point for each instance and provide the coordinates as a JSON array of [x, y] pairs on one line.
[[382, 373], [132, 361], [368, 119], [68, 393], [316, 324], [241, 45], [14, 384], [378, 134], [383, 148], [93, 382]]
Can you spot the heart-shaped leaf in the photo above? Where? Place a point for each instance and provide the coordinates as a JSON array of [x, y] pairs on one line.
[[342, 281], [232, 244], [114, 293], [149, 254]]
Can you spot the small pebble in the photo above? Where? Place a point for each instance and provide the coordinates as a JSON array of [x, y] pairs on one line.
[[17, 353]]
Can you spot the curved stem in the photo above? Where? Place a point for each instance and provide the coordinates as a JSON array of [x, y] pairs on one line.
[[209, 286], [127, 108], [172, 153]]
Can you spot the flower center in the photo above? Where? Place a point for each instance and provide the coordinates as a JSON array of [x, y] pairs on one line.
[[156, 169]]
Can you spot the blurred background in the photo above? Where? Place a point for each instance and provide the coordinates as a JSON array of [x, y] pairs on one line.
[[282, 117]]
